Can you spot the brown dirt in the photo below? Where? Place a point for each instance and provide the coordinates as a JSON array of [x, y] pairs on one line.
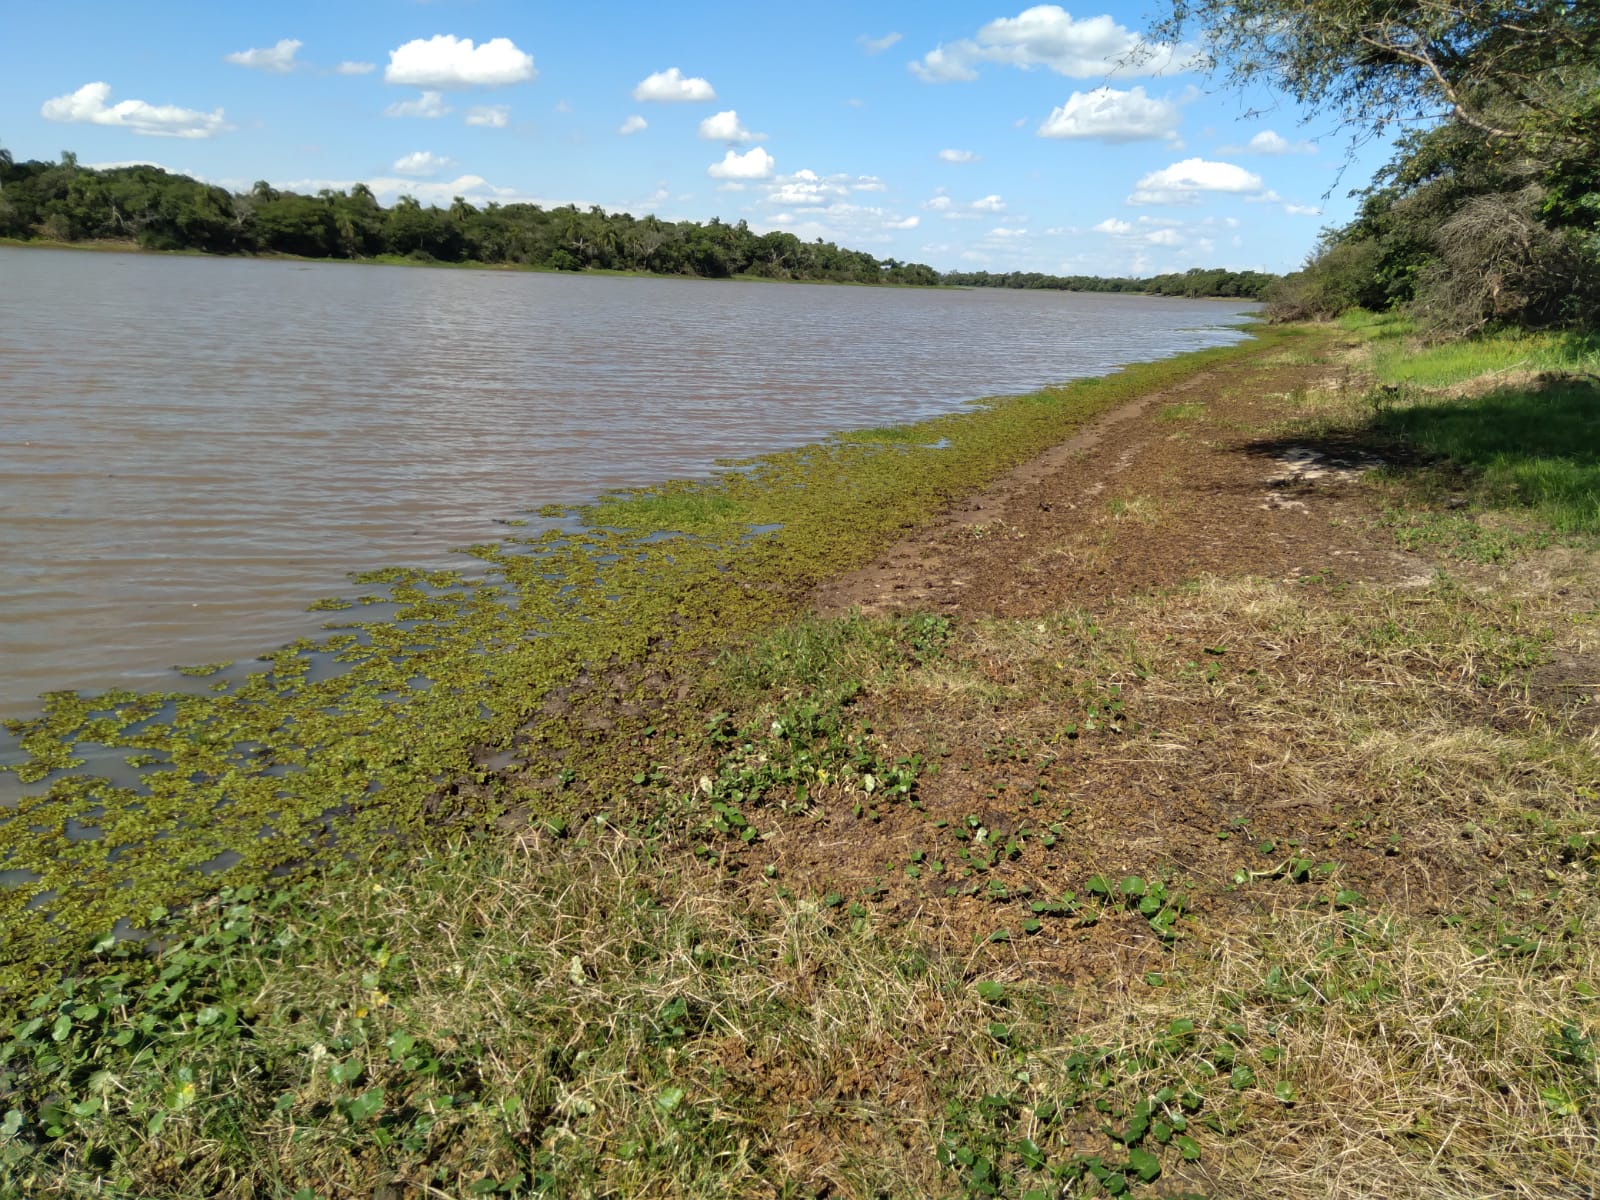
[[1046, 534], [1148, 499]]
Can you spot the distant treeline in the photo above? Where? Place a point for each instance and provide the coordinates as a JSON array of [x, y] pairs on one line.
[[1196, 281], [65, 202]]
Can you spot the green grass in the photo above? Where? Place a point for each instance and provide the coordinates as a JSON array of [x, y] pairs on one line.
[[684, 509], [888, 435], [1397, 361], [1520, 448], [606, 1010]]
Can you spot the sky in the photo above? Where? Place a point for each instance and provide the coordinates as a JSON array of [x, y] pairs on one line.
[[970, 136]]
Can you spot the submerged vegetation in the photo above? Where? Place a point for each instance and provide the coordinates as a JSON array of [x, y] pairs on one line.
[[154, 209], [1244, 886], [385, 727]]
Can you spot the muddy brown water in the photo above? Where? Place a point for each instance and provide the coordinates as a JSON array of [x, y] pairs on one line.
[[192, 450]]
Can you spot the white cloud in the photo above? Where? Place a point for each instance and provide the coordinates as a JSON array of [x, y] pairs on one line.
[[445, 61], [88, 106], [474, 188], [430, 105], [278, 58], [1302, 210], [808, 190], [843, 222], [564, 106], [753, 164], [422, 162], [1163, 237], [634, 124], [957, 156], [874, 45], [1113, 226], [356, 68], [1046, 35], [1270, 142], [1183, 182], [470, 187], [1005, 232], [489, 116], [1108, 115], [670, 86], [952, 211], [726, 127]]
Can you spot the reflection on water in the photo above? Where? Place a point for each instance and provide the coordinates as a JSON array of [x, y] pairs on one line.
[[191, 450]]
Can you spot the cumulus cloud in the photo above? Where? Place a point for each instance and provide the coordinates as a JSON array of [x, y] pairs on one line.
[[953, 211], [489, 116], [878, 45], [634, 124], [446, 61], [726, 127], [1107, 115], [753, 164], [1046, 35], [88, 106], [1271, 142], [1302, 210], [430, 105], [1163, 237], [843, 221], [1113, 226], [422, 162], [1183, 182], [356, 68], [278, 57], [806, 189], [469, 187], [957, 156], [671, 87]]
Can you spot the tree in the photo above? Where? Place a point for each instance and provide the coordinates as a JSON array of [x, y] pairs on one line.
[[1518, 68], [1490, 211]]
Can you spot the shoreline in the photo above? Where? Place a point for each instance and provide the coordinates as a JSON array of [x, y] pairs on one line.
[[1197, 797], [116, 247], [267, 707]]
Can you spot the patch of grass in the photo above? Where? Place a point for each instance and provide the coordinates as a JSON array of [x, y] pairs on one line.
[[1192, 410], [1145, 510], [1460, 535], [1516, 448], [606, 1008], [888, 435], [686, 509], [1380, 326], [1444, 364]]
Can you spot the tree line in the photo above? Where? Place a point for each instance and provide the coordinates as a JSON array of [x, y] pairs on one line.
[[158, 210], [1194, 283], [1488, 214]]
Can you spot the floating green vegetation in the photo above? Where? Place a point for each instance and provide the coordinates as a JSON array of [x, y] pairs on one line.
[[888, 435], [379, 731]]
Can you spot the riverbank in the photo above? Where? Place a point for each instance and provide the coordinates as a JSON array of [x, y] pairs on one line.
[[1181, 782], [128, 246]]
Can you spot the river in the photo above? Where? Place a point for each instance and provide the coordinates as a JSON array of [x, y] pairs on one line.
[[191, 450]]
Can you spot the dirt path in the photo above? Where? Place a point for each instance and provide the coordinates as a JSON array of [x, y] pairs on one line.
[[1173, 485]]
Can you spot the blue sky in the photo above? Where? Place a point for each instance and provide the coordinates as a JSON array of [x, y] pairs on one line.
[[967, 136]]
